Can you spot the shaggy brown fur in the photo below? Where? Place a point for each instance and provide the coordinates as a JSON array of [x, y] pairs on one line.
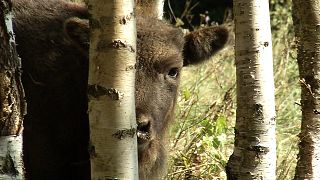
[[52, 38]]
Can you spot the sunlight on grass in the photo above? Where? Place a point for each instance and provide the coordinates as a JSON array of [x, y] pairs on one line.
[[202, 138]]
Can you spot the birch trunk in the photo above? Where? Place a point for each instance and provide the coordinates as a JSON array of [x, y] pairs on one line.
[[159, 8], [155, 5], [254, 155], [306, 19], [111, 90], [11, 99]]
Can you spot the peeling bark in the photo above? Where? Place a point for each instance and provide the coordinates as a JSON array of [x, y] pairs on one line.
[[111, 90], [12, 104], [306, 19], [254, 155]]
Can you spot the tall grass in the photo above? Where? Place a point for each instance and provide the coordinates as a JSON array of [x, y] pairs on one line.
[[201, 140]]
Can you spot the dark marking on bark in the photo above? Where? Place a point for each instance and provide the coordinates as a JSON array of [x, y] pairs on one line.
[[259, 149], [247, 52], [258, 111], [8, 166], [266, 44], [129, 68], [104, 45], [123, 20], [119, 44], [125, 133], [97, 91], [315, 111]]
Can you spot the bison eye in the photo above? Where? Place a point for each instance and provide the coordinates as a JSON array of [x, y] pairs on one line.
[[173, 72]]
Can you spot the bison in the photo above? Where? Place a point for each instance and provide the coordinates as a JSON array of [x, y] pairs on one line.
[[52, 39]]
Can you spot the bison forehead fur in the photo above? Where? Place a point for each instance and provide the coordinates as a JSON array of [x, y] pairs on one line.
[[52, 38]]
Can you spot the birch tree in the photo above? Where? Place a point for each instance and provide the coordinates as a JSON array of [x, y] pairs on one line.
[[156, 5], [111, 90], [254, 154], [159, 7], [306, 19], [11, 99]]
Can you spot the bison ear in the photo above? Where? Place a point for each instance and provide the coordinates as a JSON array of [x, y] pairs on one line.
[[200, 45], [77, 30]]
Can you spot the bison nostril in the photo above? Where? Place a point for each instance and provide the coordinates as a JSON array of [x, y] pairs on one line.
[[144, 126], [143, 130]]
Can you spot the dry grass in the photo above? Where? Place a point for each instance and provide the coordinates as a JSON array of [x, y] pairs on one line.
[[202, 138]]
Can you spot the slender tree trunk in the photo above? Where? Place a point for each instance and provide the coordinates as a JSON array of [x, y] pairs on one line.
[[155, 5], [11, 99], [159, 8], [306, 19], [111, 90], [254, 155]]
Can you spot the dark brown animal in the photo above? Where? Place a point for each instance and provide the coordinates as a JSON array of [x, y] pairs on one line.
[[52, 38]]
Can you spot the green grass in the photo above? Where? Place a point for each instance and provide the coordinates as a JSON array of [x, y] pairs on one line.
[[201, 140]]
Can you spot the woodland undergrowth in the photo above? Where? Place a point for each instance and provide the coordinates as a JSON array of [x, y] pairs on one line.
[[201, 140]]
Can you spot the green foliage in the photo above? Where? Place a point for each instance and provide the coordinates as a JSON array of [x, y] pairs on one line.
[[202, 139]]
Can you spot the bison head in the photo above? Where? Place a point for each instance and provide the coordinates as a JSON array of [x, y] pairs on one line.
[[52, 37], [162, 52]]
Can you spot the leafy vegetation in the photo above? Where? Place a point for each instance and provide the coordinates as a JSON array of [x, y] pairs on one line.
[[202, 138]]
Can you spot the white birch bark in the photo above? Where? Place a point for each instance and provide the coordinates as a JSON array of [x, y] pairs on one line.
[[155, 7], [11, 91], [111, 90], [159, 8], [12, 104], [254, 155], [306, 18], [11, 163]]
